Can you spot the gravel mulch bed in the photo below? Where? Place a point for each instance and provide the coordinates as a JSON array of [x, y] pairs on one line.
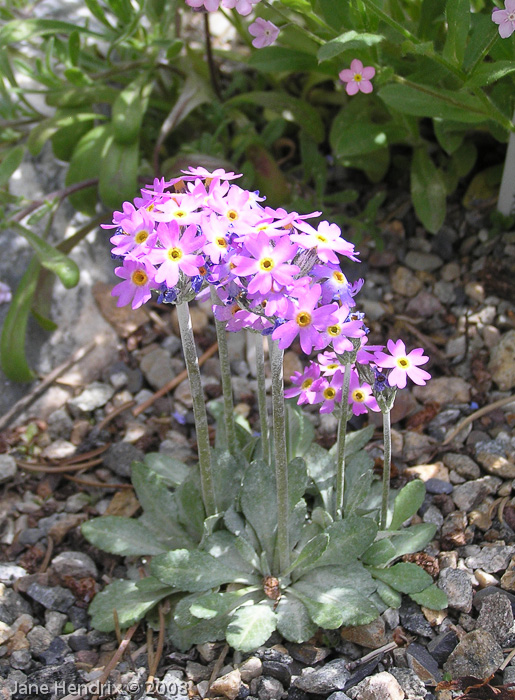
[[452, 293]]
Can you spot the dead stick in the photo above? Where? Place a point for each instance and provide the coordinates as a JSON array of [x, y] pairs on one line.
[[477, 414], [58, 470], [48, 554], [29, 399], [97, 484], [174, 382], [114, 413]]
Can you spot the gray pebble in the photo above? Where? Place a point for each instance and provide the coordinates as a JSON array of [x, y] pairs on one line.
[[416, 260], [409, 682], [119, 457], [327, 679], [441, 646], [76, 564], [266, 688], [491, 559], [12, 605], [8, 468], [94, 396], [52, 598], [21, 659], [9, 573], [458, 587], [464, 465], [478, 655], [39, 639], [496, 616]]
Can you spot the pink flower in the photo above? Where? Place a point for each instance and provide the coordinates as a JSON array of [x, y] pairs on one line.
[[178, 253], [358, 77], [138, 276], [242, 7], [403, 365], [505, 18], [265, 32], [209, 5], [360, 396]]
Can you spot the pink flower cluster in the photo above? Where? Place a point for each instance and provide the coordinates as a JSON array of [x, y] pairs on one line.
[[274, 273], [242, 7]]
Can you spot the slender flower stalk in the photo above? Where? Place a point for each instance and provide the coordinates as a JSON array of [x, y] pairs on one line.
[[387, 468], [342, 433], [263, 414], [199, 409], [281, 460], [225, 371]]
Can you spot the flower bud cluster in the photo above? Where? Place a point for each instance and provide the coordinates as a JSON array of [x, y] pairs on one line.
[[274, 273]]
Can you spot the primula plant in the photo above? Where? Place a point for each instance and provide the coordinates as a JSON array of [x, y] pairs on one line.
[[274, 532]]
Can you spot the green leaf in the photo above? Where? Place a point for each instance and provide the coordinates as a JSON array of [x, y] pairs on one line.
[[389, 595], [10, 162], [291, 108], [130, 602], [186, 630], [407, 502], [356, 441], [310, 553], [274, 59], [259, 504], [348, 41], [431, 597], [160, 508], [12, 343], [321, 465], [129, 109], [118, 177], [427, 191], [484, 31], [19, 30], [172, 471], [427, 101], [51, 258], [488, 73], [450, 135], [358, 480], [233, 552], [194, 571], [118, 535], [457, 13], [348, 539], [293, 620], [299, 431], [41, 133], [211, 605], [228, 471], [191, 511], [408, 541], [84, 165], [404, 577], [250, 627]]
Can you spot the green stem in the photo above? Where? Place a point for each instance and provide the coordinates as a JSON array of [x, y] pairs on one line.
[[428, 91], [499, 116], [387, 468], [484, 52], [342, 434], [225, 371], [281, 461], [210, 60], [199, 409], [263, 413]]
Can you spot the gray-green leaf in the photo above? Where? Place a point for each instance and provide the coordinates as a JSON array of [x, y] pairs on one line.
[[431, 597], [130, 602], [407, 502], [194, 571], [118, 535], [404, 577], [251, 626], [293, 620]]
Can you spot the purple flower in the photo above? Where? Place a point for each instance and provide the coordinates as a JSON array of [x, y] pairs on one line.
[[326, 240], [505, 18], [328, 392], [265, 32], [267, 264], [177, 253], [302, 384], [403, 365], [357, 77], [361, 396], [138, 276]]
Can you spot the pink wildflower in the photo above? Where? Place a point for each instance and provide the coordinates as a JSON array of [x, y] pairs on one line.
[[361, 396], [403, 365], [358, 77], [177, 253], [242, 7], [209, 5], [265, 32], [138, 276], [505, 18], [328, 391]]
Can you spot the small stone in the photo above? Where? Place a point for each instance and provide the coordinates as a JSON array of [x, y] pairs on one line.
[[156, 366], [59, 424], [429, 471], [405, 283], [183, 394], [444, 390], [411, 684], [339, 695], [60, 449], [209, 651], [278, 670], [496, 465], [426, 262], [39, 639], [250, 668], [8, 468], [475, 291], [464, 465], [491, 558], [21, 659], [423, 664], [485, 579], [308, 654], [433, 515], [12, 605], [197, 672], [54, 622], [424, 304], [413, 620], [94, 396], [119, 457], [477, 654], [371, 636], [382, 686], [52, 598], [441, 646], [6, 632], [55, 652], [228, 685], [266, 688], [76, 564], [458, 587], [333, 676], [445, 291], [451, 271], [437, 486], [76, 502], [470, 494], [417, 447], [502, 362], [496, 616], [491, 336], [9, 573]]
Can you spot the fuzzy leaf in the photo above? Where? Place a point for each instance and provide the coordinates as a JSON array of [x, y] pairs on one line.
[[211, 605], [171, 470], [410, 540], [457, 14], [321, 465], [389, 596], [118, 535], [194, 571], [348, 539], [457, 105], [228, 470], [310, 553], [41, 133], [189, 504], [233, 552], [488, 73], [404, 577], [84, 166], [431, 597], [130, 602], [358, 480], [427, 191], [407, 502], [356, 441], [250, 627], [186, 630], [259, 503], [350, 40], [297, 481], [118, 174], [299, 431], [293, 620]]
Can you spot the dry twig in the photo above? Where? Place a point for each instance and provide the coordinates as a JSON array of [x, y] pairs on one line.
[[474, 416]]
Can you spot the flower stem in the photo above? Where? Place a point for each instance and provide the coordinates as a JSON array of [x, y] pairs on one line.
[[210, 60], [225, 371], [281, 460], [342, 434], [199, 408], [387, 468], [263, 414]]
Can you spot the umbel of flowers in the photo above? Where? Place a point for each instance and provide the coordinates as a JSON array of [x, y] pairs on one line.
[[277, 274]]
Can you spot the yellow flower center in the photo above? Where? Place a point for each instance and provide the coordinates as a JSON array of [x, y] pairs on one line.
[[334, 330], [221, 242], [306, 384], [322, 239], [338, 276], [358, 78], [303, 319], [150, 207], [141, 236], [179, 214], [403, 362], [266, 264], [139, 278], [174, 254], [333, 366], [232, 215], [358, 396], [329, 393]]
